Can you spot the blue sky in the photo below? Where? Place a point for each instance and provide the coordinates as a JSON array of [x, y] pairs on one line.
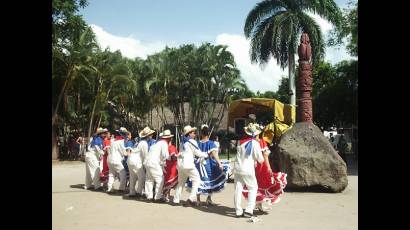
[[140, 28]]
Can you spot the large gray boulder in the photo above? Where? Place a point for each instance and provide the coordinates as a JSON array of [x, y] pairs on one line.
[[309, 160]]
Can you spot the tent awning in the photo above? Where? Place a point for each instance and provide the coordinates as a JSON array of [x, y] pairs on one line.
[[243, 107]]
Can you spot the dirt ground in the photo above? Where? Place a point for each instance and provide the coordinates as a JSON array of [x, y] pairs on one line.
[[74, 208]]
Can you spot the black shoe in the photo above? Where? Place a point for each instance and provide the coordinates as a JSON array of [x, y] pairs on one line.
[[130, 195], [174, 204], [247, 214], [159, 201], [99, 189], [209, 202], [190, 203]]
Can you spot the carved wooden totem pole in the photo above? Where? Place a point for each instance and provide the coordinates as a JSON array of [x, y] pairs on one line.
[[304, 82]]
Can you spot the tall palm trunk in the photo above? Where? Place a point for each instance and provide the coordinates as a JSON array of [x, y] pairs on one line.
[[292, 86], [54, 151], [60, 96], [99, 122], [90, 127]]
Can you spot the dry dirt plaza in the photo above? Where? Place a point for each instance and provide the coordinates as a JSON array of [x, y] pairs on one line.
[[74, 208]]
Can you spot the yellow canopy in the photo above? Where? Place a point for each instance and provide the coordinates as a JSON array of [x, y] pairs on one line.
[[284, 114], [243, 107]]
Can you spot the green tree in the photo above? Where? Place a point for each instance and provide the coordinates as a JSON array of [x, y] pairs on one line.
[[69, 62], [66, 23], [323, 76], [347, 29], [275, 26], [335, 104], [283, 89], [270, 94]]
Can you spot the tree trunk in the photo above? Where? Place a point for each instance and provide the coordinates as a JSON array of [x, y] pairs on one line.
[[54, 148], [99, 121], [90, 127], [60, 96], [220, 114], [292, 86]]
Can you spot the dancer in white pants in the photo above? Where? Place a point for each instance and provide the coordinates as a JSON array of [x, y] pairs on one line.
[[136, 159], [92, 162], [115, 157], [186, 167], [248, 151], [154, 163]]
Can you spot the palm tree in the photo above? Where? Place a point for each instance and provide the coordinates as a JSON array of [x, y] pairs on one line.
[[107, 70], [274, 27], [74, 57]]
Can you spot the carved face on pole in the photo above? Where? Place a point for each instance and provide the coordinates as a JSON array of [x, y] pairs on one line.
[[304, 38]]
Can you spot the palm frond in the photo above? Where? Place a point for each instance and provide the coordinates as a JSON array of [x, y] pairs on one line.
[[260, 12], [310, 26], [326, 9]]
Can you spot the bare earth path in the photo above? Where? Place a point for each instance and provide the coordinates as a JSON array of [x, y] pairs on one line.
[[74, 208]]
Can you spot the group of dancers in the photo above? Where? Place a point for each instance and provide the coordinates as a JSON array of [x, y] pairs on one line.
[[159, 166]]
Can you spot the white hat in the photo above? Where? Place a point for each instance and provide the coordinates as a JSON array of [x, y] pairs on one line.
[[188, 129], [252, 116], [204, 125], [253, 129], [101, 130], [146, 132], [166, 134], [122, 130]]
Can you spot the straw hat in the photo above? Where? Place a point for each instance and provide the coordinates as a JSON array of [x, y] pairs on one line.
[[188, 129], [252, 116], [166, 134], [122, 131], [101, 130], [253, 129], [204, 126], [146, 132]]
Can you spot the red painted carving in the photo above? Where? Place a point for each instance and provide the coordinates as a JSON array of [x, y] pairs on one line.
[[304, 84]]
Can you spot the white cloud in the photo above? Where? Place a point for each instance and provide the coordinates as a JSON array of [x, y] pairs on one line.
[[269, 78], [129, 47], [255, 77]]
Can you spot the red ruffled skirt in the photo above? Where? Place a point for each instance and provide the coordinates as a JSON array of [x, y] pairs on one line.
[[170, 175], [105, 170], [269, 187]]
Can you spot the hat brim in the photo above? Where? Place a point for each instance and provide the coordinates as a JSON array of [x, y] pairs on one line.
[[253, 134], [141, 135], [188, 131], [166, 136], [122, 132], [104, 131]]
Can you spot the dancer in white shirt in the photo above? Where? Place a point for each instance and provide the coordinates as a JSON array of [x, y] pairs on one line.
[[186, 167], [154, 162], [136, 159], [248, 152]]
